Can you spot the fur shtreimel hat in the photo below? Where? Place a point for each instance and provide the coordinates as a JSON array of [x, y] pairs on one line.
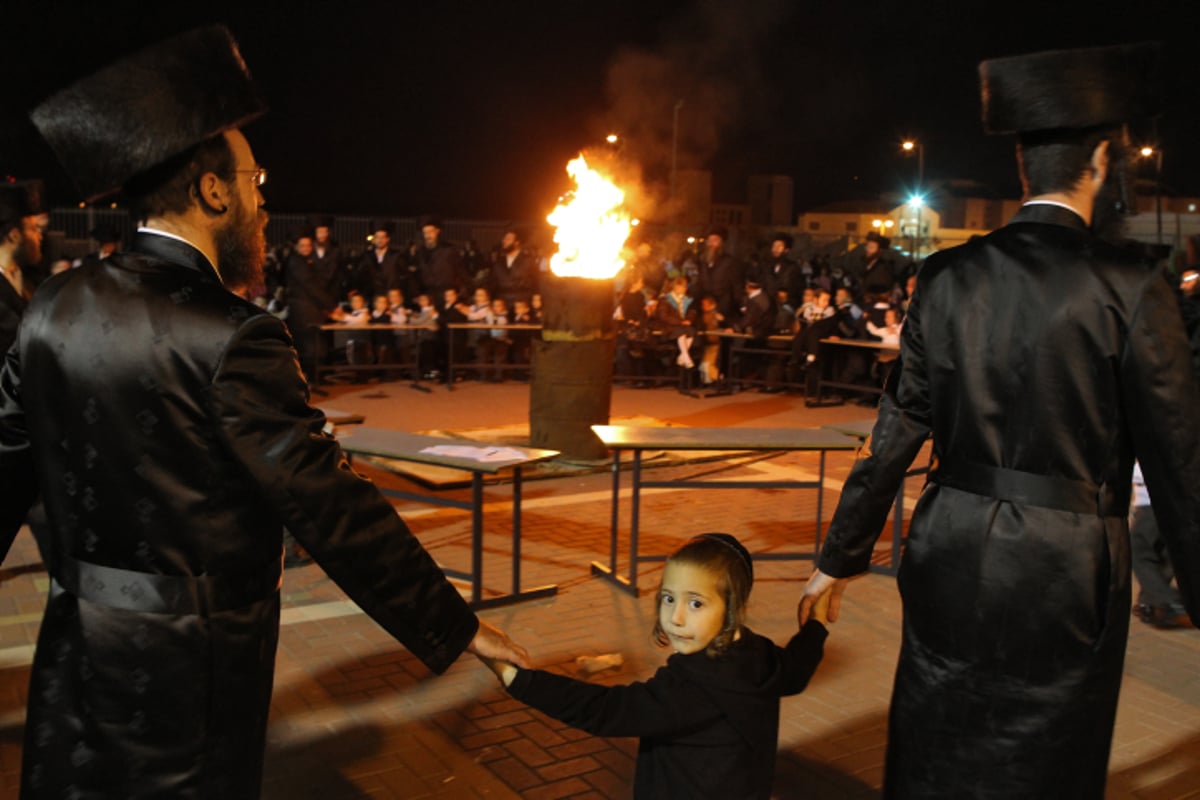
[[142, 110], [19, 199], [883, 241], [1072, 89]]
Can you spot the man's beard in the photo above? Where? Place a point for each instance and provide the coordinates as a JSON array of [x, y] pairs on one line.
[[242, 250]]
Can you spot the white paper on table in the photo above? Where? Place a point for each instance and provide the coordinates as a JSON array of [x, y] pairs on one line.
[[481, 454]]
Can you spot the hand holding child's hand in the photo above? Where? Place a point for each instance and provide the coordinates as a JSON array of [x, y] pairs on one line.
[[822, 595]]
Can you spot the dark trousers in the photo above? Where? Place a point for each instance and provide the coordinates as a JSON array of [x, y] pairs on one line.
[[1151, 563]]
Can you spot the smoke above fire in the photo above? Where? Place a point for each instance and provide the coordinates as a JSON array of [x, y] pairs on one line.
[[711, 59]]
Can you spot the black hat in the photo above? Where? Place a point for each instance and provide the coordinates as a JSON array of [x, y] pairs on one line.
[[19, 199], [303, 232], [883, 241], [730, 541], [752, 283], [430, 219], [386, 227], [1072, 89], [105, 234], [787, 240], [717, 230], [320, 221], [142, 110]]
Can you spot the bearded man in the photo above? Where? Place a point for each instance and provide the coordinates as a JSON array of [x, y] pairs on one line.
[[20, 250], [1042, 359], [176, 445]]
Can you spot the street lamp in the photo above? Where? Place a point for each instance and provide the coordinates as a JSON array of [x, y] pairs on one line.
[[908, 146], [917, 202], [1148, 151]]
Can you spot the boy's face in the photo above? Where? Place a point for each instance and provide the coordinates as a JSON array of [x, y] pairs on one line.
[[358, 302], [809, 295], [394, 297], [823, 300], [499, 306], [423, 301], [451, 297], [691, 606], [381, 303], [481, 296], [890, 317], [709, 304], [521, 307]]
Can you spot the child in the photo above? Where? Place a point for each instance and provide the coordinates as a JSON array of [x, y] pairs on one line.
[[709, 719], [710, 320]]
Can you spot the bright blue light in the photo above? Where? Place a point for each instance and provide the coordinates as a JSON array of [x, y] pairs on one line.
[[916, 201]]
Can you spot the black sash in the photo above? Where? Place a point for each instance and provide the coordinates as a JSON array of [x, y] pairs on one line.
[[1030, 489], [199, 595]]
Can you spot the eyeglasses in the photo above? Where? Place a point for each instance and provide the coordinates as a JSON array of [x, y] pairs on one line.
[[258, 175]]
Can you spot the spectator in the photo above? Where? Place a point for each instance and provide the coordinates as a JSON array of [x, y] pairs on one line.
[[439, 262], [711, 319], [311, 301], [652, 268], [719, 274], [779, 271], [514, 273], [493, 347], [676, 313], [20, 250]]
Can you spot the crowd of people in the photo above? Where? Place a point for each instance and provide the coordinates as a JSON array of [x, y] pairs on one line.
[[674, 310]]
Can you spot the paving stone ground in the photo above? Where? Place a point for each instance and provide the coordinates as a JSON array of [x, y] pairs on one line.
[[355, 716]]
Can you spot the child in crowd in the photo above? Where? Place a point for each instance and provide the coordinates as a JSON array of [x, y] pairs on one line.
[[493, 348], [709, 719], [358, 345], [426, 316], [889, 332], [710, 320], [535, 309], [396, 308]]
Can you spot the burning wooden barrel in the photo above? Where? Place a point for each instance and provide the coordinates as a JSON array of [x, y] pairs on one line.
[[573, 362], [573, 367]]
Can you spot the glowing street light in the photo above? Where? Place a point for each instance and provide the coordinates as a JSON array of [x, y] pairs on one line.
[[1149, 151], [908, 146], [1146, 151], [612, 138]]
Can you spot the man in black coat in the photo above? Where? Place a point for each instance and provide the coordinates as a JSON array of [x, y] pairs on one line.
[[20, 250], [1042, 359], [383, 266], [179, 443], [312, 301], [779, 271], [439, 262], [719, 273], [513, 273]]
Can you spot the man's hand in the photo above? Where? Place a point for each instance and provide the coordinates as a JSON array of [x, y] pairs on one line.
[[821, 588], [505, 671], [492, 643]]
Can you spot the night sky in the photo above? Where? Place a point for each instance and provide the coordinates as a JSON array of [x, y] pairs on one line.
[[471, 110]]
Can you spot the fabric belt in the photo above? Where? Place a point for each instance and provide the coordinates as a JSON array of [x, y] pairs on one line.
[[166, 594], [1030, 489]]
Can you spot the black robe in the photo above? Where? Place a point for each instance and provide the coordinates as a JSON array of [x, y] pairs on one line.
[[177, 444], [1042, 360], [708, 726]]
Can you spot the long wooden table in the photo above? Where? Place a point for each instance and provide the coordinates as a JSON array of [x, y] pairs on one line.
[[828, 365], [403, 446], [413, 363], [638, 439], [861, 430]]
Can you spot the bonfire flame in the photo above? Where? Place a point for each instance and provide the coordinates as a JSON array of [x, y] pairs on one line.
[[592, 226]]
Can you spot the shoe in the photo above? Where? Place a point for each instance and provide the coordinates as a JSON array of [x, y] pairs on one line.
[[1168, 617]]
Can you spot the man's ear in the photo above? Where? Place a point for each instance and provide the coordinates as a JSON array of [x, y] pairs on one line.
[[213, 193], [1099, 164]]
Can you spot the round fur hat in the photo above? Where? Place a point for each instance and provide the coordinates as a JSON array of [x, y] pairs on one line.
[[140, 111], [1072, 89]]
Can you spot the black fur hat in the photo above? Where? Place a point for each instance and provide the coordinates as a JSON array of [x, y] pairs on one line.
[[142, 110], [430, 219], [883, 241], [1072, 89], [19, 199], [786, 238]]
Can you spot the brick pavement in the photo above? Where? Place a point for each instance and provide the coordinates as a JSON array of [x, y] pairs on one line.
[[355, 716]]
